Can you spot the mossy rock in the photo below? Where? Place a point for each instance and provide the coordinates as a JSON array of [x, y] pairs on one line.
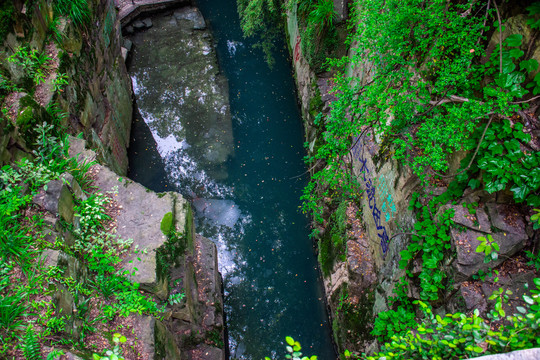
[[167, 224], [30, 117]]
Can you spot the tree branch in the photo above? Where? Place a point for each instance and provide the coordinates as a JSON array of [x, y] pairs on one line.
[[500, 36], [525, 101]]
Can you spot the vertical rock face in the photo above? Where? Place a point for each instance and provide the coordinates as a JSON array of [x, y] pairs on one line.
[[97, 97], [366, 279]]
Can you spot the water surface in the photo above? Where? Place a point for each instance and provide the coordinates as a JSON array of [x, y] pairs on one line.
[[241, 173]]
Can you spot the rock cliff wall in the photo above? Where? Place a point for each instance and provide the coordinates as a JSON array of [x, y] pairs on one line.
[[97, 96], [361, 281]]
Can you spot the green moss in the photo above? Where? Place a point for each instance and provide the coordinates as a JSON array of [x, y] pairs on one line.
[[167, 224], [315, 103], [7, 17], [353, 321], [333, 244]]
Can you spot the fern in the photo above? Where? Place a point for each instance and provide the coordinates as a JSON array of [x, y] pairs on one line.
[[31, 348], [54, 354]]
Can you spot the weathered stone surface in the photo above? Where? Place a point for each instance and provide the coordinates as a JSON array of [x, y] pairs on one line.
[[141, 212], [138, 25], [469, 261], [529, 354], [139, 219], [206, 352], [507, 219], [462, 216], [57, 199], [147, 22], [474, 297], [341, 8], [127, 44], [73, 186], [193, 15], [208, 283], [50, 257], [124, 53], [156, 340]]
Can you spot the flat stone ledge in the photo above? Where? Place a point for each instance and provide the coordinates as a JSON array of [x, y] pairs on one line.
[[128, 10], [529, 354]]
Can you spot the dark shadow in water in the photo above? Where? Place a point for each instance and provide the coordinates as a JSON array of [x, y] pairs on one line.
[[145, 163]]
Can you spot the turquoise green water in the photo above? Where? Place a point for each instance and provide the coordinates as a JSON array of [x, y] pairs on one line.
[[247, 204]]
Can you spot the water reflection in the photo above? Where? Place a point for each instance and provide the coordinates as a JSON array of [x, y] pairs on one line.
[[245, 190]]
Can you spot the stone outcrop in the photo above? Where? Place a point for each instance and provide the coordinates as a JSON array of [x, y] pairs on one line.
[[164, 266], [97, 97]]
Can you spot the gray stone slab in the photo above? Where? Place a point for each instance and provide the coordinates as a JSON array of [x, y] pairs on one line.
[[529, 354]]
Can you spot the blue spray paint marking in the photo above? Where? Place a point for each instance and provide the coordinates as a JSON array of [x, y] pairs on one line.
[[388, 206], [372, 202]]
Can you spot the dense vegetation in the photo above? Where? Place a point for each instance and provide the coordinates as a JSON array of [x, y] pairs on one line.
[[426, 83], [30, 284]]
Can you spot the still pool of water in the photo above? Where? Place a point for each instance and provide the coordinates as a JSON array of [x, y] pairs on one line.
[[239, 166]]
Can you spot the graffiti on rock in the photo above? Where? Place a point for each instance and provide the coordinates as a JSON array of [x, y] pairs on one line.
[[376, 212]]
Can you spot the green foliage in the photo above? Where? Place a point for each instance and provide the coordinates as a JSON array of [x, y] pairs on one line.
[[535, 219], [34, 63], [457, 335], [506, 164], [333, 244], [31, 349], [432, 241], [175, 299], [316, 24], [534, 260], [77, 10], [261, 18], [393, 323], [21, 239], [423, 94], [167, 224], [489, 247], [116, 352], [293, 351]]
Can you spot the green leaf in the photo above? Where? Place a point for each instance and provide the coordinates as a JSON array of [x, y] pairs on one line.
[[474, 183], [513, 40], [480, 248], [405, 255], [289, 340], [478, 349], [507, 67], [520, 192], [167, 224], [529, 300], [529, 65], [516, 53]]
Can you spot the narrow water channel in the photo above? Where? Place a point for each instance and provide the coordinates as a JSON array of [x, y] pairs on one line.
[[239, 165]]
